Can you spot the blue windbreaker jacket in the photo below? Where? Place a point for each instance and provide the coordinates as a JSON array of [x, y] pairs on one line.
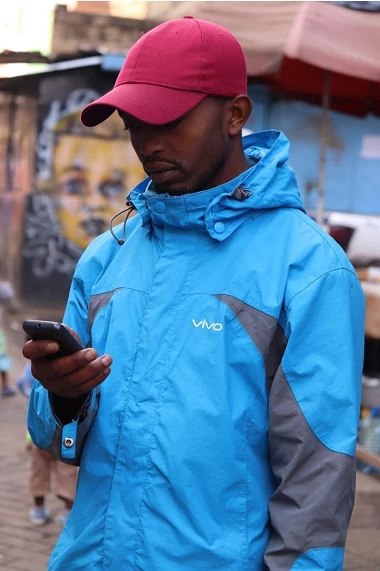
[[224, 437]]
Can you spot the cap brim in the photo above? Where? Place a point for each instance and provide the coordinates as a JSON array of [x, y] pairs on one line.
[[152, 104]]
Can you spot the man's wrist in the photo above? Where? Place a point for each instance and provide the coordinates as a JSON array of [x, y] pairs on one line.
[[67, 409]]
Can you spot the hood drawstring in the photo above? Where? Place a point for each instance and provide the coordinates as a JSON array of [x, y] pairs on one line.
[[130, 208]]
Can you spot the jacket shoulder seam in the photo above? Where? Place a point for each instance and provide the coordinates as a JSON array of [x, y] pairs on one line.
[[318, 278], [295, 212]]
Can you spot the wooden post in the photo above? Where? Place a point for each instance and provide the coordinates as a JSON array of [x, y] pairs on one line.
[[324, 145], [367, 456]]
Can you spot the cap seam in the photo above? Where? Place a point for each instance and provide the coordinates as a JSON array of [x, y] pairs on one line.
[[162, 85], [143, 41], [201, 64]]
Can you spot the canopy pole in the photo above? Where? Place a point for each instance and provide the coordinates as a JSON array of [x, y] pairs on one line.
[[323, 147]]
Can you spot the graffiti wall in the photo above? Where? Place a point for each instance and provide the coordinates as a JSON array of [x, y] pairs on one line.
[[17, 144], [82, 178]]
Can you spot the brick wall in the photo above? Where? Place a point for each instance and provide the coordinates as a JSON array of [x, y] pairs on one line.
[[75, 31]]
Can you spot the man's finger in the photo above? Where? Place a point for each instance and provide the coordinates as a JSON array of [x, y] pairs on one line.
[[56, 381], [38, 349], [85, 387], [70, 363]]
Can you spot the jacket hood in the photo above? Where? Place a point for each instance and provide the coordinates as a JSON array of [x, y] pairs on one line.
[[269, 183]]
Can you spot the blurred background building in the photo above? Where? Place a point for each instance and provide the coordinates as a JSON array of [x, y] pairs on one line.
[[60, 183]]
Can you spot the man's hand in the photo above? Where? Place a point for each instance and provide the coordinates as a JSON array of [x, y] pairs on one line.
[[69, 376]]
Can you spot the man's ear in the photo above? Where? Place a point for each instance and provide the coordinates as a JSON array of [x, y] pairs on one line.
[[240, 108]]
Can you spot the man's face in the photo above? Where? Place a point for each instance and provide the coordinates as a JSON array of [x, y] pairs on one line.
[[187, 155]]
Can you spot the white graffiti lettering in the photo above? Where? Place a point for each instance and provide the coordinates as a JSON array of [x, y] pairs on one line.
[[77, 99], [44, 244]]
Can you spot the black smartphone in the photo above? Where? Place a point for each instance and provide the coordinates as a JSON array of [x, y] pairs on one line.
[[43, 330]]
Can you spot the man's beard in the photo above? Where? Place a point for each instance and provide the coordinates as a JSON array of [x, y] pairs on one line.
[[204, 181]]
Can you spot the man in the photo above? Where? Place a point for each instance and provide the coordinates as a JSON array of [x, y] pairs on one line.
[[223, 436]]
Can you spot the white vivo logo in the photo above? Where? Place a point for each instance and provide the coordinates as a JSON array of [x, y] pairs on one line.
[[205, 325]]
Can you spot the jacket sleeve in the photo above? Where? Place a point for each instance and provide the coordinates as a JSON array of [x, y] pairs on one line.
[[314, 406], [64, 442]]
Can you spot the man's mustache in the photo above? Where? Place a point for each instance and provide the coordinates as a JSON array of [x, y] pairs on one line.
[[150, 163]]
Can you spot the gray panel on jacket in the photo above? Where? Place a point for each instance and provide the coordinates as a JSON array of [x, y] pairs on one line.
[[275, 354], [263, 329], [315, 486], [97, 302], [259, 325]]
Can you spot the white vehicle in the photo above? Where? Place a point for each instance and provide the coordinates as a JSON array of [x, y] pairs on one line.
[[359, 236]]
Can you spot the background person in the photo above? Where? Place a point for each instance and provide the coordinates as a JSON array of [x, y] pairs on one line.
[[6, 295], [46, 472]]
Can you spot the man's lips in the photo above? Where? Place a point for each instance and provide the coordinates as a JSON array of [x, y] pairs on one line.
[[159, 168], [161, 173]]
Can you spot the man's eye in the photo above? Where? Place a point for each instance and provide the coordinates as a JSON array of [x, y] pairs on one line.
[[131, 128], [173, 124], [176, 122]]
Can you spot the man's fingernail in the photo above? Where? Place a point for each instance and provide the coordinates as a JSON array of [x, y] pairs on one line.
[[90, 355], [52, 347], [106, 360]]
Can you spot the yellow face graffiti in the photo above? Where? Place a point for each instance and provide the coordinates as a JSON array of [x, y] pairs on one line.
[[92, 173]]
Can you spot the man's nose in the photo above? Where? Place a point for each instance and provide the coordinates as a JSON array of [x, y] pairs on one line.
[[151, 140]]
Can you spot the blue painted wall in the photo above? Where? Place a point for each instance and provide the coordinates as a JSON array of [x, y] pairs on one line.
[[352, 182]]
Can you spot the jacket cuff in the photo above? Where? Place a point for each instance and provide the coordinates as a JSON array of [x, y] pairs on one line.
[[69, 439]]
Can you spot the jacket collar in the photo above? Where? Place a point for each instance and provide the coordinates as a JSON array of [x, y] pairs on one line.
[[224, 208]]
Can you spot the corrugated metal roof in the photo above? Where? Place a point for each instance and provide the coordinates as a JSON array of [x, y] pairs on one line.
[[107, 62]]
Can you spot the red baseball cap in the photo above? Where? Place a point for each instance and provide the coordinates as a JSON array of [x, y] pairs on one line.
[[170, 69]]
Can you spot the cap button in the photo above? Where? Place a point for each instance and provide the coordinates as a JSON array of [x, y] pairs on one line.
[[160, 207], [219, 227]]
